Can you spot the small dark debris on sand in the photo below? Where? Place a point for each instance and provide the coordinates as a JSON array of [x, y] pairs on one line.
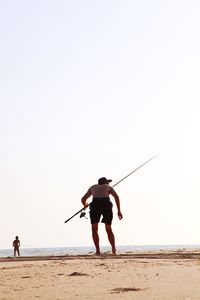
[[78, 274], [122, 290]]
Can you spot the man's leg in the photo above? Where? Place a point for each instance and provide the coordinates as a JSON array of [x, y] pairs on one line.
[[111, 237], [95, 237]]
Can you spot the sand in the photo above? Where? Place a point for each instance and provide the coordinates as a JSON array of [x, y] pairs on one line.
[[147, 275]]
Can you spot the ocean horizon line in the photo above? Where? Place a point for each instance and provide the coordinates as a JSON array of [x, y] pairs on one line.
[[64, 250]]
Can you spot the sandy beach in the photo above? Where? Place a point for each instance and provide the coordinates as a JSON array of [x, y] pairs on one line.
[[138, 275]]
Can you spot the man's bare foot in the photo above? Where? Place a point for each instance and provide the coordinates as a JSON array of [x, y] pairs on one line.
[[114, 252]]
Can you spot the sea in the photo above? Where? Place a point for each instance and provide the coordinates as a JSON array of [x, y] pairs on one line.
[[90, 249]]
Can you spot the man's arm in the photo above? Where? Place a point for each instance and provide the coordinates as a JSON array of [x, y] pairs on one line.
[[117, 201], [85, 197]]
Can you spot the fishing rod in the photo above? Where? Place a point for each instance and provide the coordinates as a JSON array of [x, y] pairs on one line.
[[80, 211]]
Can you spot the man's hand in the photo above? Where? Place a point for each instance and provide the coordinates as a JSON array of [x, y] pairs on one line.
[[120, 215], [85, 205]]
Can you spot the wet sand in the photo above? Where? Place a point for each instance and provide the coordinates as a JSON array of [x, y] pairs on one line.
[[135, 275]]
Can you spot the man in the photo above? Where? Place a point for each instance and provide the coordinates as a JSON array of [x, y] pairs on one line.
[[102, 206], [16, 245]]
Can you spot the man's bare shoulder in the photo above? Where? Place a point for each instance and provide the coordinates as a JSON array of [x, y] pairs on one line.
[[94, 186]]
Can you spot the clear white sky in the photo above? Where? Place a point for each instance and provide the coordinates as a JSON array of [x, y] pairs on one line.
[[91, 89]]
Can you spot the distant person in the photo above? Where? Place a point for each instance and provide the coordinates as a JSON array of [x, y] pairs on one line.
[[102, 206], [16, 245]]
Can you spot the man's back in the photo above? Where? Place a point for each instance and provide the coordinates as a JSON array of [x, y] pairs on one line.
[[100, 190]]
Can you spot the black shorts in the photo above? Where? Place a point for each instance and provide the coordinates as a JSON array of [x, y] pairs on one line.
[[101, 207]]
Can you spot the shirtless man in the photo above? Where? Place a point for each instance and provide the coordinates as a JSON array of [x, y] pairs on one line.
[[16, 245], [102, 206]]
